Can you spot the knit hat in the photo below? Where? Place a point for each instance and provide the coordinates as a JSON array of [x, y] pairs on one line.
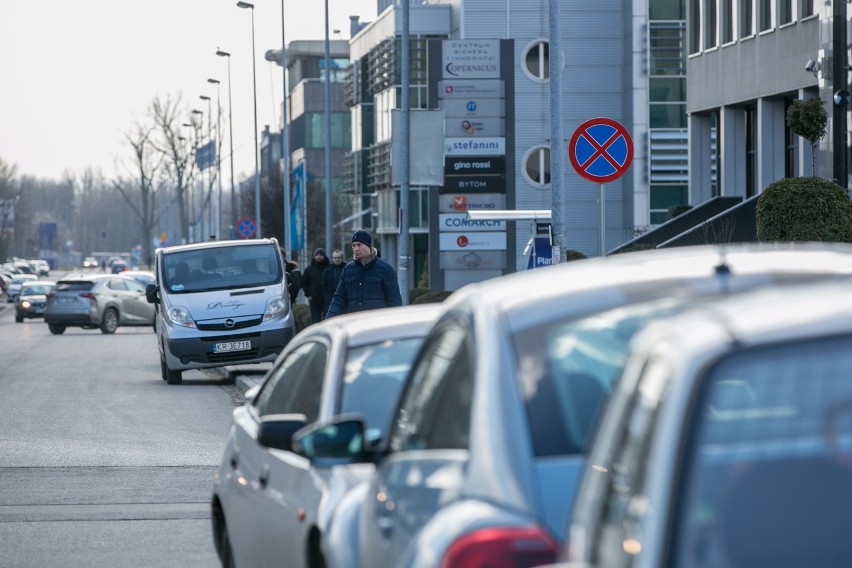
[[362, 237], [319, 251]]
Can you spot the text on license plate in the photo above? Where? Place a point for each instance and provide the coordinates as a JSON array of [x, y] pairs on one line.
[[231, 346]]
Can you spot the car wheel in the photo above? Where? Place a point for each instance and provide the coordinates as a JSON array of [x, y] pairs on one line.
[[19, 317], [223, 543], [164, 371], [56, 329], [110, 322]]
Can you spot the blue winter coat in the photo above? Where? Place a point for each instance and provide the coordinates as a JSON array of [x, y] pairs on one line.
[[365, 287]]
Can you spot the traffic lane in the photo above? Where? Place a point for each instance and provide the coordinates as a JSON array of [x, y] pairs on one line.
[[93, 436]]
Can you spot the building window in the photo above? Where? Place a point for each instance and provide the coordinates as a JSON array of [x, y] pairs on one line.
[[537, 60], [765, 15], [807, 8], [666, 48], [537, 166], [727, 21], [710, 22], [665, 196], [751, 151], [791, 147], [746, 18], [694, 26], [785, 12]]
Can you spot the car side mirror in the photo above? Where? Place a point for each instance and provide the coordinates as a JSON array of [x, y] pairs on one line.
[[276, 430], [152, 294], [340, 440]]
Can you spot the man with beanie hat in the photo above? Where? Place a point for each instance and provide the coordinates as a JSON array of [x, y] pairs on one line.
[[367, 283], [312, 284]]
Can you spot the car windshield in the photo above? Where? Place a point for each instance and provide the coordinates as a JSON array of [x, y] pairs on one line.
[[35, 289], [567, 370], [220, 268], [372, 381], [767, 470]]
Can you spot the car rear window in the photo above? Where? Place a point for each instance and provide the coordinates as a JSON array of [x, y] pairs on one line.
[[768, 477], [75, 286]]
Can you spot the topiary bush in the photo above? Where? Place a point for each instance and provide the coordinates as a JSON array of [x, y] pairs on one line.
[[432, 296], [414, 293], [804, 209]]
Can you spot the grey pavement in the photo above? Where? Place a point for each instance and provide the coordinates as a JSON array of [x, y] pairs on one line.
[[248, 376]]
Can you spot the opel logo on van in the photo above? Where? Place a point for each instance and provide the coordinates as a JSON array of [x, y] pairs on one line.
[[229, 323]]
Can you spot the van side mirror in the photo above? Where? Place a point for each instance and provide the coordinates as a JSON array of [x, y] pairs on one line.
[[152, 294]]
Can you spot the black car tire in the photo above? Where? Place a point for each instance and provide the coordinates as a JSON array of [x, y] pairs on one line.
[[110, 321], [19, 317], [56, 329], [173, 377], [164, 371]]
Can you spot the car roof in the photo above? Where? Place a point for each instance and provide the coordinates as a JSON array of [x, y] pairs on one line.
[[646, 275], [38, 283], [371, 326], [215, 244]]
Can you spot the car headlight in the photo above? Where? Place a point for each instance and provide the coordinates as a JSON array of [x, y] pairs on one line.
[[180, 316], [25, 304], [275, 308]]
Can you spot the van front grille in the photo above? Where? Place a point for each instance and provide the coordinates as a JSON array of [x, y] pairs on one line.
[[219, 325]]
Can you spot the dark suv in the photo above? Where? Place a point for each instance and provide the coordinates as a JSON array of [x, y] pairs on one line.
[[102, 301]]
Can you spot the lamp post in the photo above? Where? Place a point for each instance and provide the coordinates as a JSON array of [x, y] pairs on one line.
[[256, 146], [207, 191], [327, 93], [218, 157], [285, 141], [187, 203], [197, 230], [221, 53]]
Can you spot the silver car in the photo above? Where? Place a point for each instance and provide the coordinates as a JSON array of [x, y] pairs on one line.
[[489, 439], [102, 302], [31, 299], [14, 287], [727, 441], [272, 498]]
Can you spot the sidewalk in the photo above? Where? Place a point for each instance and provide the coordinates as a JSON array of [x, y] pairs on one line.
[[247, 376]]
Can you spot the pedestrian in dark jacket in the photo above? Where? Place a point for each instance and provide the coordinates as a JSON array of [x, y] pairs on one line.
[[312, 284], [331, 277], [294, 277], [367, 283]]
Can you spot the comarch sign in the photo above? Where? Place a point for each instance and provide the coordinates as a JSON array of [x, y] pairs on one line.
[[460, 222]]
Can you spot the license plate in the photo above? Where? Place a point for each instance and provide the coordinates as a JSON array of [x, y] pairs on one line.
[[231, 346]]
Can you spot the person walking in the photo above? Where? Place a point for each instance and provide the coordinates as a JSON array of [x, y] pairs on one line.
[[294, 277], [312, 284], [367, 283], [331, 277]]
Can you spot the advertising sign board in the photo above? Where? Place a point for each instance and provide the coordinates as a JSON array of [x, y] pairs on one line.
[[473, 107], [471, 59], [474, 184], [475, 165], [492, 146], [467, 88], [459, 203], [472, 241], [479, 127], [473, 260], [460, 222]]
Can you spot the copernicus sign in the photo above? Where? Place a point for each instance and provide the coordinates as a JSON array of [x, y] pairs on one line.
[[471, 59]]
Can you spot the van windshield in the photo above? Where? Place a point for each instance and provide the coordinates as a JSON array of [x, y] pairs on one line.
[[221, 268]]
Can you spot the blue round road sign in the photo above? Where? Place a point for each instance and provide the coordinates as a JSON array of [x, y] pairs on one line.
[[247, 228], [601, 150]]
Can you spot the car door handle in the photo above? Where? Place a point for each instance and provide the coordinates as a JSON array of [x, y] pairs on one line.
[[235, 457], [263, 478]]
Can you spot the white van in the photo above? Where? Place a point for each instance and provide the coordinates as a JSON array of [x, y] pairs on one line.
[[219, 303]]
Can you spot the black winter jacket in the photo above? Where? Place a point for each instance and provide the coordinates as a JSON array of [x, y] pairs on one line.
[[365, 286]]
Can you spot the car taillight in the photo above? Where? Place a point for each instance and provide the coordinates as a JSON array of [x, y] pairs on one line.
[[505, 547], [49, 295], [87, 295]]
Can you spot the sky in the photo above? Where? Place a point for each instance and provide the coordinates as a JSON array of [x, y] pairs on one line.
[[77, 76]]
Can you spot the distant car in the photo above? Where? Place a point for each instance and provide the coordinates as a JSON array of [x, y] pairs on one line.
[[41, 267], [118, 266], [91, 262], [144, 276], [727, 441], [15, 285], [489, 438], [32, 299], [348, 364], [103, 301]]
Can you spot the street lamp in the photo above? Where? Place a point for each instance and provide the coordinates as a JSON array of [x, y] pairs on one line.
[[218, 157], [196, 232], [256, 145], [206, 201], [221, 53]]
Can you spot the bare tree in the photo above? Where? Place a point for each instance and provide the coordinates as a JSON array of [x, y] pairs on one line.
[[141, 194], [179, 165]]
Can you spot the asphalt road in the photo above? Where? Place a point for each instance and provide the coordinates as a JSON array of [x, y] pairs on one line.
[[101, 462]]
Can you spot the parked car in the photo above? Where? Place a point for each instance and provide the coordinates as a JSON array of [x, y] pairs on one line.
[[101, 301], [727, 441], [117, 266], [14, 286], [489, 438], [349, 364], [145, 277], [31, 299], [40, 267]]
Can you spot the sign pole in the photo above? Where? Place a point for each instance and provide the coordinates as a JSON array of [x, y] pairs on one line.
[[603, 221]]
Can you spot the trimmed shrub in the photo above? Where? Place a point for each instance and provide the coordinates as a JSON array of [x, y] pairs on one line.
[[414, 293], [432, 297], [301, 316], [804, 209]]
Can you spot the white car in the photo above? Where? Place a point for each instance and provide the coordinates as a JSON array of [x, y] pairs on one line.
[[14, 287], [727, 441], [272, 499]]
